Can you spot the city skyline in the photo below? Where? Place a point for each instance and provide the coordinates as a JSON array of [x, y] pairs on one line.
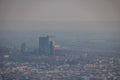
[[59, 40]]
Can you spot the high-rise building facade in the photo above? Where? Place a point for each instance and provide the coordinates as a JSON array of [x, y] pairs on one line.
[[45, 46], [23, 48]]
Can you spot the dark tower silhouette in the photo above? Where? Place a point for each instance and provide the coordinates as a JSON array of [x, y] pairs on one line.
[[23, 48], [45, 46], [51, 48]]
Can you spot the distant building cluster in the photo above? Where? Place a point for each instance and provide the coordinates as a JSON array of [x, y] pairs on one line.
[[51, 62], [46, 46]]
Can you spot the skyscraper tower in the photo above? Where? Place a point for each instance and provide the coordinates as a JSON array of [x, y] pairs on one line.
[[45, 46], [23, 48]]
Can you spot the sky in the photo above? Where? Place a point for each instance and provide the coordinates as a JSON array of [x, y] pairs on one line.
[[55, 15]]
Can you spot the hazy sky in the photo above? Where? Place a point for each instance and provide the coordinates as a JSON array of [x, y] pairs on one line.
[[63, 14]]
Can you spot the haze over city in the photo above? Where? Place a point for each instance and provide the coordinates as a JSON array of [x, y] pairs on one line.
[[45, 16], [60, 15]]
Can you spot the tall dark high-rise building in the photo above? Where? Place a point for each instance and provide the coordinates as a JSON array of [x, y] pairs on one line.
[[23, 48], [45, 46]]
